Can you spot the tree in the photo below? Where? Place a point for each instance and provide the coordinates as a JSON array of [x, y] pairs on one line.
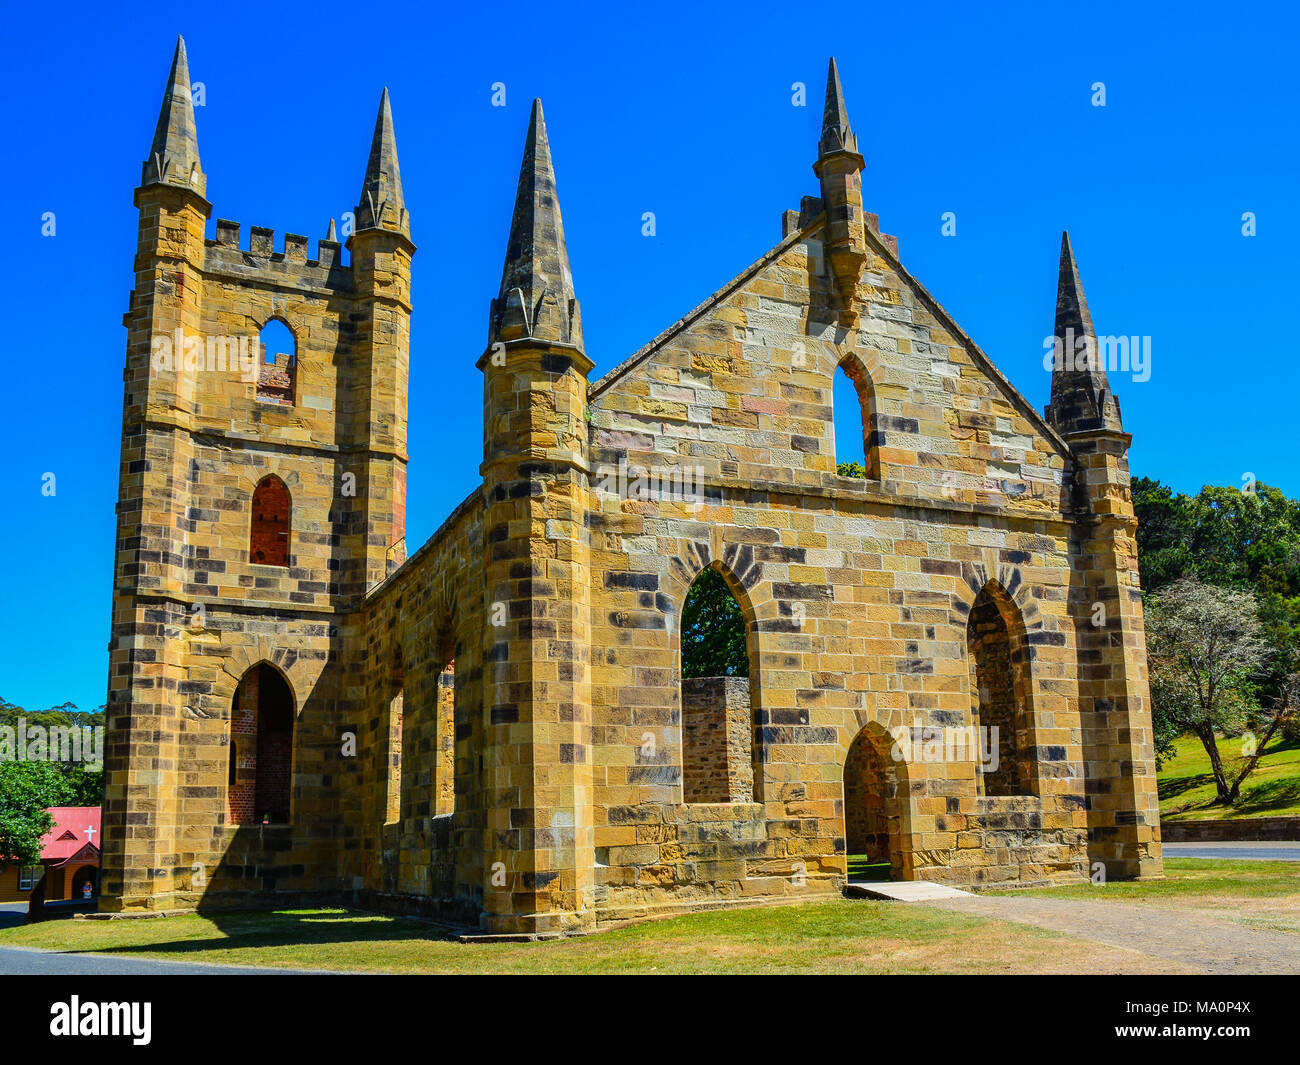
[[1248, 540], [26, 789], [851, 469], [64, 714], [1164, 731], [86, 784], [713, 630], [1207, 651], [1163, 534]]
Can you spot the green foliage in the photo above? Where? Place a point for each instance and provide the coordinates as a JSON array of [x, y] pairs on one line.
[[1207, 652], [1227, 537], [1223, 536], [851, 469], [713, 630], [1165, 731], [64, 714], [85, 785], [26, 789]]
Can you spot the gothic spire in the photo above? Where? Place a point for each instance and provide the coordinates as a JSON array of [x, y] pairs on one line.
[[837, 134], [381, 205], [1081, 395], [536, 298], [1071, 304], [174, 155]]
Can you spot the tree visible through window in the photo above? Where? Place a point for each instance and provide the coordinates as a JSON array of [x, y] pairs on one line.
[[713, 630], [856, 442]]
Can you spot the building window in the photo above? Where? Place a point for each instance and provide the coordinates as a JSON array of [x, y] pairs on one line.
[[717, 711], [29, 876], [445, 773], [857, 441], [395, 766], [1001, 699], [268, 542], [278, 365]]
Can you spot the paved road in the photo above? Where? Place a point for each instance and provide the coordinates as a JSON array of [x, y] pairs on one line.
[[24, 962], [1279, 851], [12, 913]]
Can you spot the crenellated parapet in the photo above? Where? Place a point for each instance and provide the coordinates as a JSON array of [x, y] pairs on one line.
[[257, 261]]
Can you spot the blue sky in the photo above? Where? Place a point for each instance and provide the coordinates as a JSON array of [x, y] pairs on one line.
[[686, 111]]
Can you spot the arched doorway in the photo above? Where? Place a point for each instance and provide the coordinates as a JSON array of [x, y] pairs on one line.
[[83, 876], [875, 792], [261, 748]]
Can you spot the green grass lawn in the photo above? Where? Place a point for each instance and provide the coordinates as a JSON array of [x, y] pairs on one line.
[[1187, 785], [832, 936], [1190, 879], [863, 868]]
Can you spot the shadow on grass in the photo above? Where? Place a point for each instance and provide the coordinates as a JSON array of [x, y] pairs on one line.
[[1280, 746], [1269, 795], [240, 930], [1169, 789], [1258, 796]]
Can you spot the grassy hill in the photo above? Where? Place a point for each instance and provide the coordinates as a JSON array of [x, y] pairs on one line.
[[1187, 785]]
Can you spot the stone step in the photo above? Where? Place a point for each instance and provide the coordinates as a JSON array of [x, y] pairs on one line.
[[903, 890]]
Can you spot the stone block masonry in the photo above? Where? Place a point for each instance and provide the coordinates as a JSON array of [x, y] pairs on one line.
[[494, 730], [717, 731]]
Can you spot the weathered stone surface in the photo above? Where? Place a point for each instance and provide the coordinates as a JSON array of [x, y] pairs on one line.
[[494, 729]]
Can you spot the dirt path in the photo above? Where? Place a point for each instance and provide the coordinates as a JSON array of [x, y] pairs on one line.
[[1198, 940]]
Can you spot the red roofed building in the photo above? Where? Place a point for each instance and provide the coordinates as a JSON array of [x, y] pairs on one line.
[[69, 859]]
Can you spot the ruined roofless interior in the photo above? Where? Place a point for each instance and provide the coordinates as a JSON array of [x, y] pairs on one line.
[[495, 731]]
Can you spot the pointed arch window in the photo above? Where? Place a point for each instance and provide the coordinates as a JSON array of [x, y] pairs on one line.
[[444, 774], [395, 768], [278, 363], [1001, 690], [268, 541], [717, 693], [857, 451]]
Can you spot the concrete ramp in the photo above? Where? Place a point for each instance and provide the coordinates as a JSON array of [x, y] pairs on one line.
[[903, 890]]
